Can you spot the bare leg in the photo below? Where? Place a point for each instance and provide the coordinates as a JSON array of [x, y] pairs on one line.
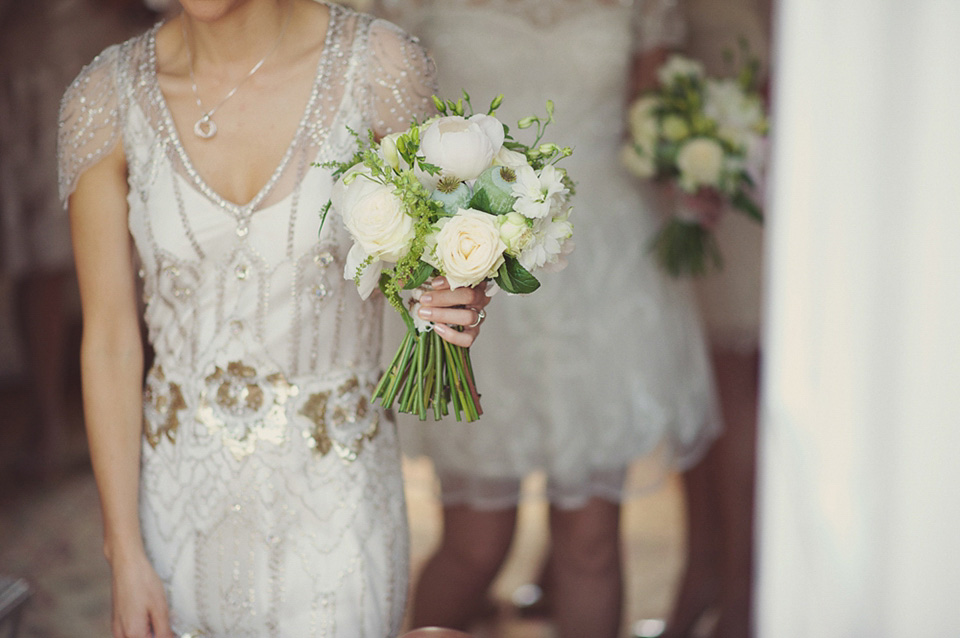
[[43, 325], [699, 587], [737, 379], [452, 588], [585, 571]]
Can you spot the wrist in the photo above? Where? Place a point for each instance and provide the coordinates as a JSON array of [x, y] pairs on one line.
[[123, 549]]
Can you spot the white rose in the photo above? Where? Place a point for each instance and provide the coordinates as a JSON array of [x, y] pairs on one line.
[[374, 215], [463, 148], [678, 66], [701, 163], [375, 218], [467, 248]]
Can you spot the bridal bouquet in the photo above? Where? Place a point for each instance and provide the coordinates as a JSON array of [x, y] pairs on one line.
[[706, 135], [455, 196]]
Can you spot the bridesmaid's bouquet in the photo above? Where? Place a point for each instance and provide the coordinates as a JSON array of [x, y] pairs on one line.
[[455, 196], [708, 137]]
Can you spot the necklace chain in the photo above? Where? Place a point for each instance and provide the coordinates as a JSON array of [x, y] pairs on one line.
[[205, 127]]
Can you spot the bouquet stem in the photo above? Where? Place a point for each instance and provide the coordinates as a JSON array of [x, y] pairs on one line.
[[686, 248], [428, 373]]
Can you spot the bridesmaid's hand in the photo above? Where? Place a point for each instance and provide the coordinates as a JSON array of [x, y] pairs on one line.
[[461, 307], [139, 603], [706, 204]]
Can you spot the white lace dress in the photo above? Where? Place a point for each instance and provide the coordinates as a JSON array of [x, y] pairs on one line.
[[271, 498], [606, 363]]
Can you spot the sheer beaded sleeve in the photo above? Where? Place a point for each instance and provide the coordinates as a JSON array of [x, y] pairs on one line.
[[658, 23], [89, 125], [401, 79]]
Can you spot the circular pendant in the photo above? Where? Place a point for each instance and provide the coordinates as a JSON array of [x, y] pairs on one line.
[[205, 128]]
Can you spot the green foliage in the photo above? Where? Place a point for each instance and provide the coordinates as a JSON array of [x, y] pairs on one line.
[[516, 279]]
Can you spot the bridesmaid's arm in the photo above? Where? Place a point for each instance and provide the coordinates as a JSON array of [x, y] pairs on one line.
[[111, 358]]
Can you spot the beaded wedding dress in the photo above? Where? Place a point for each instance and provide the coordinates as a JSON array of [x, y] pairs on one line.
[[606, 363], [271, 493]]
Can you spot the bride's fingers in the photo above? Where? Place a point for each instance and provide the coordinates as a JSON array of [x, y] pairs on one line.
[[465, 317], [464, 338], [444, 297]]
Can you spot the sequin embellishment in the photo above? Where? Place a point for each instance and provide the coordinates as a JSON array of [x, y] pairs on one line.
[[342, 420], [163, 403], [245, 407]]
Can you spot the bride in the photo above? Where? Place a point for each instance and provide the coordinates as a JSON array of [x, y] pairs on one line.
[[606, 364], [249, 490]]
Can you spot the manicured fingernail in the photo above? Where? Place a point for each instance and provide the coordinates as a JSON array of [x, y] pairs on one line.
[[427, 298], [438, 282], [441, 328], [425, 313]]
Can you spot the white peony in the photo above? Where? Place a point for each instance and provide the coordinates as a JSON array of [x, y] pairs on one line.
[[737, 114], [463, 148], [376, 219], [701, 163], [678, 66], [466, 248]]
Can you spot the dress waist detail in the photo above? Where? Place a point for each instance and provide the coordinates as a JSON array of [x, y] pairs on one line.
[[247, 406]]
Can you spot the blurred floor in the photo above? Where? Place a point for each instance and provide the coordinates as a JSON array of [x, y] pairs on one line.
[[50, 534]]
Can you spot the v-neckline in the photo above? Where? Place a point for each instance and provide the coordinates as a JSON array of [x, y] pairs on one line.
[[241, 210]]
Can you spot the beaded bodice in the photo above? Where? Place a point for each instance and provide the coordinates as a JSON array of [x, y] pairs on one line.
[[224, 281]]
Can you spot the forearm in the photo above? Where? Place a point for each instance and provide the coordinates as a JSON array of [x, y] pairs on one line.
[[112, 368]]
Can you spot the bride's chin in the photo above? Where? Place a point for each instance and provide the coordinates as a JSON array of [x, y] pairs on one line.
[[209, 11]]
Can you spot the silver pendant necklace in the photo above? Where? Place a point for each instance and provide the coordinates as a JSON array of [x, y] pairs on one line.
[[205, 127]]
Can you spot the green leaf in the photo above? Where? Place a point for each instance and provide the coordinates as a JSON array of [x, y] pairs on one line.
[[420, 274], [516, 279], [744, 204]]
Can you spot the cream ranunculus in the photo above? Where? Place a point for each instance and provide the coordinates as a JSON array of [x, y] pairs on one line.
[[701, 163], [462, 147], [516, 231], [467, 248]]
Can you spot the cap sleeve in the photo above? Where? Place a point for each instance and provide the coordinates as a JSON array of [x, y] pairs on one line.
[[400, 79], [89, 124], [658, 23]]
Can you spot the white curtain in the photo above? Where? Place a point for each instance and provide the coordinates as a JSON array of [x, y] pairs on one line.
[[860, 437]]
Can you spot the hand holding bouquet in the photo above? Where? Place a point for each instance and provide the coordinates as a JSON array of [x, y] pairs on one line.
[[456, 196], [707, 137]]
